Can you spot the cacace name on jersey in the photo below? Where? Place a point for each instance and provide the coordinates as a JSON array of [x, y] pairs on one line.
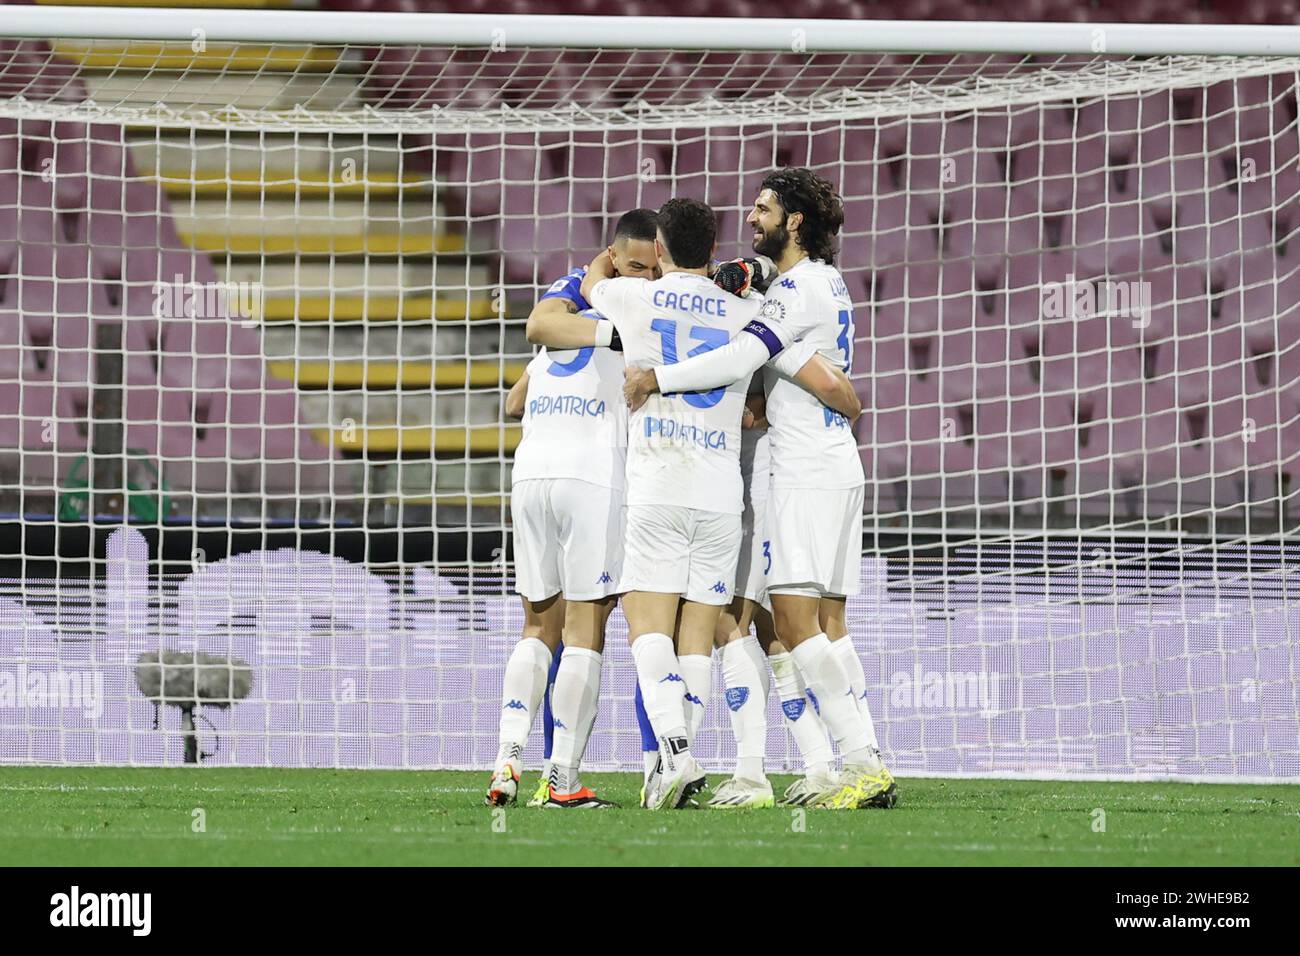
[[812, 446], [682, 449], [575, 419]]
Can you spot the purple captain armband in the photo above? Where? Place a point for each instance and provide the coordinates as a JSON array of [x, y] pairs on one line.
[[771, 341]]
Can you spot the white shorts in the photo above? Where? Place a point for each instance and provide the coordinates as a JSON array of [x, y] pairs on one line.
[[816, 541], [676, 550], [568, 538], [755, 552]]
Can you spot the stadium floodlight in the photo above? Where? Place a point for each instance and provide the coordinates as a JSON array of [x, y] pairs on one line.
[[1073, 257]]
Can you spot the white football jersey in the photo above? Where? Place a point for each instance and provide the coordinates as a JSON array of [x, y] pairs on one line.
[[575, 418], [812, 445], [683, 449], [755, 462]]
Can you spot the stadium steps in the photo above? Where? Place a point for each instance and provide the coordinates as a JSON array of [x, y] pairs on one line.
[[240, 184], [316, 227], [394, 342], [217, 57], [370, 244], [404, 374], [217, 92], [297, 201], [375, 308], [460, 279], [207, 154], [423, 439]]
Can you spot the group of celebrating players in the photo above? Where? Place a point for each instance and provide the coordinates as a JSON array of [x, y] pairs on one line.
[[657, 468]]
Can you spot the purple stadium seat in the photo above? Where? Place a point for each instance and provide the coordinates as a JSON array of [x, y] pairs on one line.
[[1086, 231], [619, 171], [931, 142], [633, 191], [1059, 155], [538, 249], [588, 159], [951, 261], [696, 159], [929, 294], [479, 168], [1112, 128], [9, 146], [906, 415], [818, 148], [1248, 108], [1199, 236], [1046, 433]]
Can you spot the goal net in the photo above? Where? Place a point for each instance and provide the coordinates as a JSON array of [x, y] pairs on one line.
[[263, 283]]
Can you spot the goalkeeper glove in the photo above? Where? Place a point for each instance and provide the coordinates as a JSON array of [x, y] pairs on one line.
[[740, 275]]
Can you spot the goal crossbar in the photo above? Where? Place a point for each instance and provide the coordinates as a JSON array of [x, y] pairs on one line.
[[805, 71], [679, 33]]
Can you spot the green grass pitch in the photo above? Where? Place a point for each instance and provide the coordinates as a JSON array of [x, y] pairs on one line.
[[120, 816]]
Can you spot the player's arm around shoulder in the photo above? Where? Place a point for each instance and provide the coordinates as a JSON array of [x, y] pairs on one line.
[[824, 379], [599, 269], [616, 298], [556, 324]]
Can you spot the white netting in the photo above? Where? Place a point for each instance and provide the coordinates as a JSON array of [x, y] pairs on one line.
[[387, 88], [290, 282]]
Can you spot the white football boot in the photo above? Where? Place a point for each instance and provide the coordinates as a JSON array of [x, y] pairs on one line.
[[737, 793]]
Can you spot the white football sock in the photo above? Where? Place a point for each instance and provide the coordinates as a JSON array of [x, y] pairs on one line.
[[829, 682], [697, 669], [660, 676], [744, 675], [803, 721], [852, 663], [521, 695], [590, 706], [649, 758], [573, 702]]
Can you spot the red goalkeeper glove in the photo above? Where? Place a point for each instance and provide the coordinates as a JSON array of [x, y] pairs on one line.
[[740, 275]]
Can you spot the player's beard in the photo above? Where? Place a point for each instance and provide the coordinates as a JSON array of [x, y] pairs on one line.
[[773, 242]]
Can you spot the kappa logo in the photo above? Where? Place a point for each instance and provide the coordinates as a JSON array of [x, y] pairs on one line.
[[515, 705], [719, 588], [604, 578], [794, 709], [786, 283], [671, 677], [813, 697], [736, 697], [559, 724], [691, 698]]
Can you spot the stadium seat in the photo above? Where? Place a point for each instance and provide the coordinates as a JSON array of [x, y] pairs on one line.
[[538, 248], [615, 172], [955, 227]]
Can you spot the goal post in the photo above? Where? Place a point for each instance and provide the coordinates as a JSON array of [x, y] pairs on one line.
[[263, 283]]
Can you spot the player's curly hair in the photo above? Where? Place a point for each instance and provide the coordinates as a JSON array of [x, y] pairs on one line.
[[801, 190], [689, 229]]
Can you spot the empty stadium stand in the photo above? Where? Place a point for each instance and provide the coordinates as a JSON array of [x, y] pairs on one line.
[[377, 342]]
